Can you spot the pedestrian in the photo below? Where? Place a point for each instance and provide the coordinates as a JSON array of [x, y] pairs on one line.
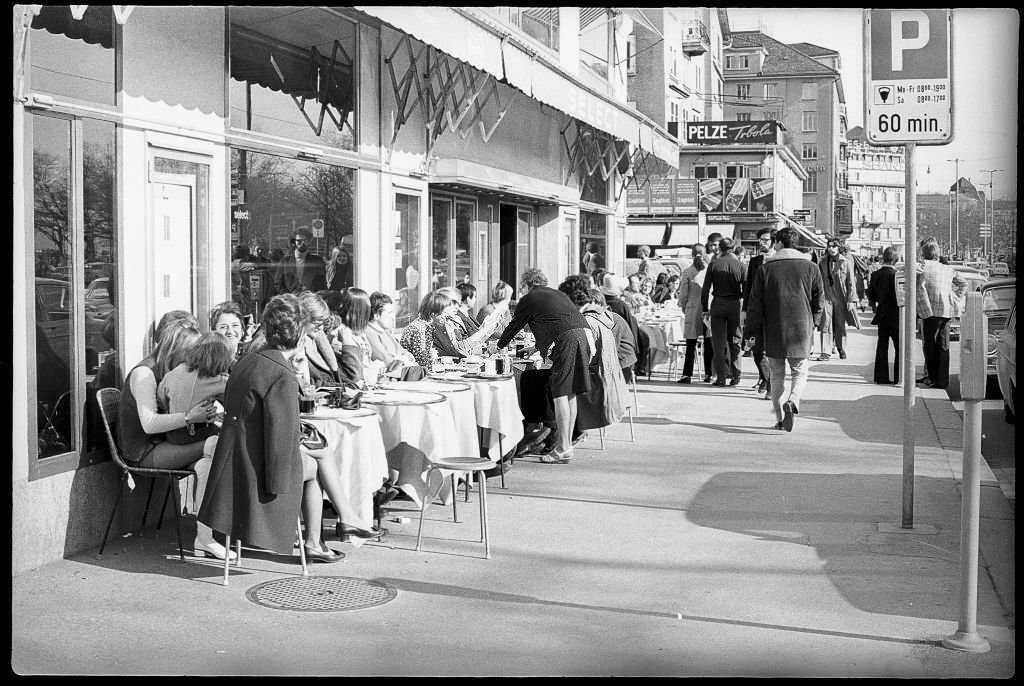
[[765, 249], [691, 283], [881, 293], [786, 298], [840, 296], [939, 293], [724, 280], [563, 336], [613, 289], [300, 270], [338, 270], [593, 260]]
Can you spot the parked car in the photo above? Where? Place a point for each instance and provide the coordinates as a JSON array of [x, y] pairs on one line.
[[1006, 365], [975, 280], [998, 299], [999, 269]]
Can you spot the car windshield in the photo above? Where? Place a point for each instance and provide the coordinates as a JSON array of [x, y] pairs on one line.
[[997, 299]]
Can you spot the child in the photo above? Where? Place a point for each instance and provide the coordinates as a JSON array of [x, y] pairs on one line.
[[202, 375]]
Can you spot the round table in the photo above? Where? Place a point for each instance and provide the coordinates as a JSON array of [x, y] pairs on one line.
[[662, 331], [356, 445]]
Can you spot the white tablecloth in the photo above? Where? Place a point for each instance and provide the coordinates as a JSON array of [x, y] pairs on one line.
[[497, 411], [412, 434], [356, 445], [661, 333]]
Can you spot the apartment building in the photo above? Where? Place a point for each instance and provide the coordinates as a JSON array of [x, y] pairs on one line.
[[877, 182]]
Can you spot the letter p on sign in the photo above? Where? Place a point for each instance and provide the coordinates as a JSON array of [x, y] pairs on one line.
[[900, 19]]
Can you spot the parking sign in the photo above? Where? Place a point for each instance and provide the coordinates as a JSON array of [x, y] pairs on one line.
[[908, 95]]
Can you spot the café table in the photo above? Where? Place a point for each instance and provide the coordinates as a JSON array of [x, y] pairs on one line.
[[496, 402], [662, 327], [355, 444], [417, 426]]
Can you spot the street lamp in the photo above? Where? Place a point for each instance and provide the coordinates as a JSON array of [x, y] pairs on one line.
[[956, 202], [990, 218]]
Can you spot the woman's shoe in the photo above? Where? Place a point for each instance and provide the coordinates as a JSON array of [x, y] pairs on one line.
[[554, 457], [211, 549], [684, 379], [323, 554], [344, 533]]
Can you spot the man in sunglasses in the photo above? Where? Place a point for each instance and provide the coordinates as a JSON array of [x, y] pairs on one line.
[[300, 270]]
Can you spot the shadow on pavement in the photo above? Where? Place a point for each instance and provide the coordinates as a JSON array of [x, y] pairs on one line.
[[904, 574]]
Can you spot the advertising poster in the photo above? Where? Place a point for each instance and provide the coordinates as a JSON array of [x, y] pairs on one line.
[[686, 196], [710, 195], [762, 195], [661, 196], [737, 195], [638, 201]]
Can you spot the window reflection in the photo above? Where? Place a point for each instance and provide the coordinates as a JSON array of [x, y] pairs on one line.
[[407, 245], [440, 216], [272, 198], [292, 74], [74, 58]]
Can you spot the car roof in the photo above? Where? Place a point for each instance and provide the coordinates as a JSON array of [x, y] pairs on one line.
[[999, 283]]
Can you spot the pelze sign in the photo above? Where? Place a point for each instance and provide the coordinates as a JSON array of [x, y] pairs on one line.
[[717, 132]]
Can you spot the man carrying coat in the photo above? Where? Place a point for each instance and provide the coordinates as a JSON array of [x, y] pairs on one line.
[[786, 299]]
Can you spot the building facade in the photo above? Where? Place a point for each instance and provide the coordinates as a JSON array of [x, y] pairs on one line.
[[800, 86], [152, 144], [877, 181]]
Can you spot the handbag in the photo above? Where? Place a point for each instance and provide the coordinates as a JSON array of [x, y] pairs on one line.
[[354, 401], [310, 437], [851, 316]]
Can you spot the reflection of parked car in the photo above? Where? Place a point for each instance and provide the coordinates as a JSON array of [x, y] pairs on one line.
[[998, 298], [999, 269], [54, 308], [975, 279]]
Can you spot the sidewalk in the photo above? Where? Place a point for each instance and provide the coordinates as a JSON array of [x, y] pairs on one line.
[[712, 546]]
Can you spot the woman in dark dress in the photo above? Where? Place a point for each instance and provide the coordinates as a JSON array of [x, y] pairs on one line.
[[259, 480], [563, 336]]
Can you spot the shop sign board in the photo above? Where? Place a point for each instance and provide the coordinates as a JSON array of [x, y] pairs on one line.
[[908, 95], [726, 132], [661, 196], [686, 196]]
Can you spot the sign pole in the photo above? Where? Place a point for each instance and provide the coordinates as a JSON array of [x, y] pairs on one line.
[[908, 335]]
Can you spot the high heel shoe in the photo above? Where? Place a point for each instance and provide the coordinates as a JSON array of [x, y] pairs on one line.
[[322, 553], [555, 457], [212, 549], [344, 533]]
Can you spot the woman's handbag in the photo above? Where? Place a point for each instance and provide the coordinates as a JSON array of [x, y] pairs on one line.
[[353, 401], [851, 316], [311, 438]]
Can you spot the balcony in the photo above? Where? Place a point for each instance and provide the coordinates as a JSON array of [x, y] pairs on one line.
[[696, 39]]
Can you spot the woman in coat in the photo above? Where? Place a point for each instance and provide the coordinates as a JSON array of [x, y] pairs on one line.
[[840, 293], [691, 281], [259, 480]]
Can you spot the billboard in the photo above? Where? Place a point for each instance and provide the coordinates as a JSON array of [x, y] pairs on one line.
[[669, 196], [725, 132]]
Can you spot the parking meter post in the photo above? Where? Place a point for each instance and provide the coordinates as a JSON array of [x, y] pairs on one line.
[[973, 345], [909, 328]]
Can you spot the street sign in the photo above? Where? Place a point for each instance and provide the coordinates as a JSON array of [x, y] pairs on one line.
[[985, 230], [318, 228], [908, 94]]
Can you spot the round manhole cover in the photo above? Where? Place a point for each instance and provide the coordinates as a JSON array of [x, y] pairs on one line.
[[320, 593]]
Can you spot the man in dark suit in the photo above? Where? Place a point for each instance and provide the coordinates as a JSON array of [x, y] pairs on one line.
[[882, 296], [300, 270], [724, 280], [765, 248]]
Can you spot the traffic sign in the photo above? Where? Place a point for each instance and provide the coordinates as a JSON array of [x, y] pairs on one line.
[[908, 90], [318, 228]]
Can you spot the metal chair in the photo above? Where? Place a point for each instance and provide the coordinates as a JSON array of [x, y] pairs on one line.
[[674, 349], [238, 551], [457, 465], [109, 401]]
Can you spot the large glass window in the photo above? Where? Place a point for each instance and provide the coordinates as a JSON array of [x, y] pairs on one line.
[[272, 198], [293, 74], [74, 58], [594, 39], [75, 286], [407, 250], [595, 189], [594, 240], [440, 217]]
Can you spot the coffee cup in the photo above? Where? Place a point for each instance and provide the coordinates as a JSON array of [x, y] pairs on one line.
[[490, 367]]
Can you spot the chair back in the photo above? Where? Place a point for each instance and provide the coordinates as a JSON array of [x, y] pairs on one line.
[[109, 401]]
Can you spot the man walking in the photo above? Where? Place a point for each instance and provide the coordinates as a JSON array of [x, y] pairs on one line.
[[785, 300], [840, 295], [939, 293], [724, 280], [882, 296], [765, 248], [300, 270]]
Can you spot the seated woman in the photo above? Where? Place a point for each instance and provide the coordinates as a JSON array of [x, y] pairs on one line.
[[260, 480], [451, 336], [383, 345], [142, 428], [226, 319], [501, 297], [418, 336], [320, 363], [351, 308], [642, 299], [201, 376], [666, 292]]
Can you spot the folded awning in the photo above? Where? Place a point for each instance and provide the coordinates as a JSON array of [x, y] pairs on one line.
[[453, 33], [814, 239]]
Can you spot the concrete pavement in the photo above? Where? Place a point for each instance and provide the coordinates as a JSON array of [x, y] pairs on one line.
[[712, 546]]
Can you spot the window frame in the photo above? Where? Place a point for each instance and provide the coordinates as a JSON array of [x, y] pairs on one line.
[[809, 121], [809, 150], [743, 91], [808, 90]]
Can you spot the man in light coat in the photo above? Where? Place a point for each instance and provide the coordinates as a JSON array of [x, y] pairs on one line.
[[786, 299], [940, 293], [840, 295]]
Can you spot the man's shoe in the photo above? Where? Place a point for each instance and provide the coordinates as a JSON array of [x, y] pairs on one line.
[[778, 426], [707, 379], [788, 410], [735, 381], [684, 379], [719, 383], [533, 440], [842, 354]]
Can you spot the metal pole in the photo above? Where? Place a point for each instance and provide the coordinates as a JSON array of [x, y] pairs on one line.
[[966, 637], [907, 342]]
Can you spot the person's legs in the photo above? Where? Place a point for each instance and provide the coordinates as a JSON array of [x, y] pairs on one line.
[[565, 420], [941, 379], [894, 333], [929, 328], [881, 371], [312, 501], [839, 325], [776, 383], [734, 338], [798, 369], [758, 352], [691, 349], [709, 351], [719, 337]]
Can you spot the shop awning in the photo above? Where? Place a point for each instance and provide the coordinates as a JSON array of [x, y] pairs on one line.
[[814, 239], [453, 33]]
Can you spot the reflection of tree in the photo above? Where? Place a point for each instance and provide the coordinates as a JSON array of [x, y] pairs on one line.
[[327, 192], [50, 195], [98, 200]]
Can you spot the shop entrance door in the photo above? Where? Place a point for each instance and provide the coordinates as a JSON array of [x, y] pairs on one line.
[[515, 243], [170, 273]]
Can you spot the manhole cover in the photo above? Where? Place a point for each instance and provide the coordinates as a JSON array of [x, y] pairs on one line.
[[320, 594]]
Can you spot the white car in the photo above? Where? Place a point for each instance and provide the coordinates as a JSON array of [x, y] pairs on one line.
[[1006, 365]]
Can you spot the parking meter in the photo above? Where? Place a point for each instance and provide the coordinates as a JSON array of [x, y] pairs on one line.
[[973, 347]]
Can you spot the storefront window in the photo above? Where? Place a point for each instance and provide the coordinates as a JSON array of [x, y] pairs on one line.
[[293, 74], [593, 242], [272, 198], [464, 216], [595, 189], [407, 254], [64, 397], [74, 58], [440, 217]]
